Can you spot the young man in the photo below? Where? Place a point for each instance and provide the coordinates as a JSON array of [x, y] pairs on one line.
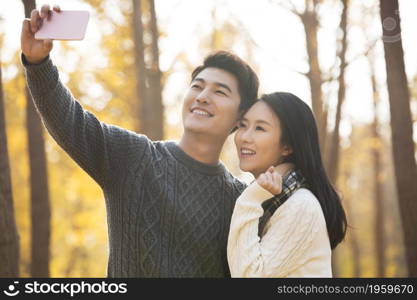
[[169, 205]]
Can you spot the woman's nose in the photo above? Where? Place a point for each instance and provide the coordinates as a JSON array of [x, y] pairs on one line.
[[246, 136]]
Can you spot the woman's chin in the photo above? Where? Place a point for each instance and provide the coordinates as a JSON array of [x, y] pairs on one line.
[[244, 168]]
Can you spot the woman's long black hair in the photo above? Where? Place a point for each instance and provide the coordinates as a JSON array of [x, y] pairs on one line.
[[299, 131]]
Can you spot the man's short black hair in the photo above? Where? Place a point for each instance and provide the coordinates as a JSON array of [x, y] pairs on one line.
[[247, 79]]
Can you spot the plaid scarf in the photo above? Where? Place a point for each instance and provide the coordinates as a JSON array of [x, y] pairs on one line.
[[291, 182]]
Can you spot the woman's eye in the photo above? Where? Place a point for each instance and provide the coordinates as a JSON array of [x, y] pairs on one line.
[[241, 125], [259, 128], [196, 86]]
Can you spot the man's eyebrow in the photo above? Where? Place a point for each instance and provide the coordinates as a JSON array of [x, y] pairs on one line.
[[199, 79], [223, 85]]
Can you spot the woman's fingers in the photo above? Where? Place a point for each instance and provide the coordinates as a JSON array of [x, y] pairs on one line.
[[277, 179], [261, 179], [271, 181], [272, 185]]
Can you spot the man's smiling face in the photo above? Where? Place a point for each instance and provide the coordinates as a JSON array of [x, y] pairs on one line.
[[212, 103]]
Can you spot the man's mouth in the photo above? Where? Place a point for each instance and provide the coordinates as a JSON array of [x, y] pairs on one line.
[[201, 112]]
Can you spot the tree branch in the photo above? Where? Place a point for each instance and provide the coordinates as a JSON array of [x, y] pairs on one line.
[[288, 5]]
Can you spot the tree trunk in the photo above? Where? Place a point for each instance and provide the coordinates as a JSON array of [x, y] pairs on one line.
[[141, 85], [353, 236], [310, 22], [401, 126], [9, 240], [378, 196], [334, 147], [40, 207], [156, 128]]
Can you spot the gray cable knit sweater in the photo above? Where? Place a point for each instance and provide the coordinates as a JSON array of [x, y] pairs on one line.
[[168, 215]]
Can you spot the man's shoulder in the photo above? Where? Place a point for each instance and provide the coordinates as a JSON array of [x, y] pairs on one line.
[[234, 183]]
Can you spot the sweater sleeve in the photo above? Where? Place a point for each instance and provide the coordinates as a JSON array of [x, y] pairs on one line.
[[283, 248], [100, 149]]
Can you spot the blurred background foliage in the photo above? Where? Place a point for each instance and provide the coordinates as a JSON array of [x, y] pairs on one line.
[[104, 77]]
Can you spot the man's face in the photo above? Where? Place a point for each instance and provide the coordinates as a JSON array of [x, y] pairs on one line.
[[211, 104]]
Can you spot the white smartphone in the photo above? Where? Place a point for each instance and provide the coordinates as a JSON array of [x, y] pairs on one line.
[[64, 25]]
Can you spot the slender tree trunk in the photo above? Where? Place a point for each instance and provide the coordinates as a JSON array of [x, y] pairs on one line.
[[334, 147], [378, 194], [141, 80], [356, 255], [401, 126], [40, 207], [9, 239], [310, 22], [353, 237], [156, 129]]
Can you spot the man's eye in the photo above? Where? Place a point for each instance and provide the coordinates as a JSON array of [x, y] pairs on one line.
[[241, 125], [196, 86], [221, 93]]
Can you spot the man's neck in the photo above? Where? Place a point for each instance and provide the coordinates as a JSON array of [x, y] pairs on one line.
[[201, 148]]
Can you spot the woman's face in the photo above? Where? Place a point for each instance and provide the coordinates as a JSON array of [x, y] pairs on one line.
[[258, 140]]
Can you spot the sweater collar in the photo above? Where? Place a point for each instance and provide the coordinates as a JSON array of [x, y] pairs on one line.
[[190, 162]]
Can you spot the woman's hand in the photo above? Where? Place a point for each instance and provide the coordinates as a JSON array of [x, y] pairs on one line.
[[271, 181]]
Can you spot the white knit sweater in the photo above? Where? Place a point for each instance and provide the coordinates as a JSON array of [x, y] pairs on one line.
[[295, 241]]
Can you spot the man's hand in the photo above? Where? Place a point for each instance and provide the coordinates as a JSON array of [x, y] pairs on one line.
[[36, 50]]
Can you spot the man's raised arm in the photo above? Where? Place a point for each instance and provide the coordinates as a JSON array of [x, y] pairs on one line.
[[100, 149]]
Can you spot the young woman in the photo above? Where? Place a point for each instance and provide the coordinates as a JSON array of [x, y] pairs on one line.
[[298, 235]]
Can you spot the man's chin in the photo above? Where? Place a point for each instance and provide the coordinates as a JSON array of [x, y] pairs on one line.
[[213, 133], [197, 130]]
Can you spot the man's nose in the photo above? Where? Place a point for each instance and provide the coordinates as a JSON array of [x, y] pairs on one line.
[[203, 97]]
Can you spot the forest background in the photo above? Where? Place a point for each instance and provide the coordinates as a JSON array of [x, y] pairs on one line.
[[353, 61]]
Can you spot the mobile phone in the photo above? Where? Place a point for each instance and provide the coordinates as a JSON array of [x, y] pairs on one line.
[[64, 25]]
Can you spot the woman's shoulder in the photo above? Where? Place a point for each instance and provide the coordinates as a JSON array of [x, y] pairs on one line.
[[305, 201]]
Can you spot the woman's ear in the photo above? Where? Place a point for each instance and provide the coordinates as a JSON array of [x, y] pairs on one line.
[[287, 150]]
